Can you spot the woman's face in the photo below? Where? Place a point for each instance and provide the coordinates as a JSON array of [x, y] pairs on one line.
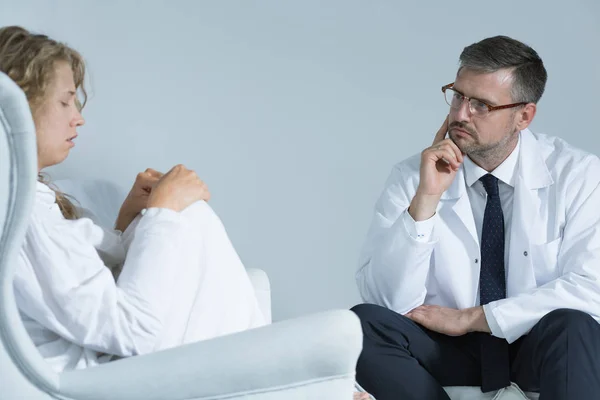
[[57, 118]]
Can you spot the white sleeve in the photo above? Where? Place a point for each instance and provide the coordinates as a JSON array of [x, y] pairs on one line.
[[62, 283], [491, 321], [421, 230], [394, 263]]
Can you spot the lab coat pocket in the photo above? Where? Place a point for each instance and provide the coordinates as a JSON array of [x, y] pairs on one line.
[[545, 261]]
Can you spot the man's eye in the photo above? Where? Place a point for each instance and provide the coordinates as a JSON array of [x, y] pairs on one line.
[[64, 104], [478, 105]]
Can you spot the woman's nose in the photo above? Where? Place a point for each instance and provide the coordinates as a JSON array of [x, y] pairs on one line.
[[78, 120]]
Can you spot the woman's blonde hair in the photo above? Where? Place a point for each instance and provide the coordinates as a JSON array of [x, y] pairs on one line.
[[30, 60]]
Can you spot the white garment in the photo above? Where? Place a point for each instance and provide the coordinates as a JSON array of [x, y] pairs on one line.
[[181, 282], [506, 173], [553, 258]]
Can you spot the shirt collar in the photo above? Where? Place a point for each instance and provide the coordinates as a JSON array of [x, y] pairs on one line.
[[506, 172], [45, 195]]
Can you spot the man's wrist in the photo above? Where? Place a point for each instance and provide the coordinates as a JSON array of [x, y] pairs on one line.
[[422, 207], [476, 320]]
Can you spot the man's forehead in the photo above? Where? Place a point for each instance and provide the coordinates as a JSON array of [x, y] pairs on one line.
[[492, 84]]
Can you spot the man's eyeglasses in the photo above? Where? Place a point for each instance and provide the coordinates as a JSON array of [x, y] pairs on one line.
[[478, 108]]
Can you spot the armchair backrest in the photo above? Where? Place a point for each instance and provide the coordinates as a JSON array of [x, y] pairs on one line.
[[21, 365]]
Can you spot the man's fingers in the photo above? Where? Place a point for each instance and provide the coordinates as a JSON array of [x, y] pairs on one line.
[[446, 154], [450, 156], [449, 151], [441, 134], [416, 317], [449, 143], [459, 154]]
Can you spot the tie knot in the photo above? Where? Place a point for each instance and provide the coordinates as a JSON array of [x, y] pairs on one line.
[[490, 183]]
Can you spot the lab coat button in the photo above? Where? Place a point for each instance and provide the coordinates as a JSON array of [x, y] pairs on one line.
[[476, 260], [525, 253]]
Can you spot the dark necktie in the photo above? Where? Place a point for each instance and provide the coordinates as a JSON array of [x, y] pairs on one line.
[[495, 368]]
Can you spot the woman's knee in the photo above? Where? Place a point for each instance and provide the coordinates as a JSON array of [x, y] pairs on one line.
[[198, 208], [201, 214]]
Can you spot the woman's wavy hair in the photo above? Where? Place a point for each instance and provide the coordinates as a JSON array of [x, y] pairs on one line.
[[30, 60]]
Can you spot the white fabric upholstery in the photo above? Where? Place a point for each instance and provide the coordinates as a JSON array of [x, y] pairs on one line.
[[309, 357]]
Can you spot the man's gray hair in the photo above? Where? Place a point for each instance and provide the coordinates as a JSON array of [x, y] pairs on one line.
[[501, 52]]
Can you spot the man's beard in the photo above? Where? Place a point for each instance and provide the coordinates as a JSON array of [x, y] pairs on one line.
[[473, 147], [467, 146]]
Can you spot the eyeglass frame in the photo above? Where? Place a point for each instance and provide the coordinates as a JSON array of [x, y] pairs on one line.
[[490, 108]]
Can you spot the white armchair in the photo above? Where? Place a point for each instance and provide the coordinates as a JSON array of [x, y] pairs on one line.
[[306, 358]]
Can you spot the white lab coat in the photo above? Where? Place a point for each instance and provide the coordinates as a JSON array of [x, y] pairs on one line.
[[554, 254], [181, 282]]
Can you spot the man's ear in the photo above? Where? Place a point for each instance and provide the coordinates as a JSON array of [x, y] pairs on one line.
[[526, 115]]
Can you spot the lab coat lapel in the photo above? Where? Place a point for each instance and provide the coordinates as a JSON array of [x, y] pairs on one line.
[[456, 211], [459, 207], [526, 223]]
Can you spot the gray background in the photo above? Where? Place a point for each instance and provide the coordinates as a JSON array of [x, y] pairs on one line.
[[294, 112]]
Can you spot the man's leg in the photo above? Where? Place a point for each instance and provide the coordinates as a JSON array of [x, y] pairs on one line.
[[560, 357], [403, 360]]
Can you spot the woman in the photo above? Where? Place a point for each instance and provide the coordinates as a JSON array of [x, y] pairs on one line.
[[181, 280]]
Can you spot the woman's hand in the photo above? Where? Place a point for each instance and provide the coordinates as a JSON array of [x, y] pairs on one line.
[[138, 196], [178, 189]]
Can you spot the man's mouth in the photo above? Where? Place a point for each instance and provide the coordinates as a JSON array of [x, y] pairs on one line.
[[461, 130]]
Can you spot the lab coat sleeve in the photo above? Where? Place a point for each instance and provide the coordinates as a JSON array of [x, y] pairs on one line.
[[63, 284], [578, 286], [420, 231], [395, 259]]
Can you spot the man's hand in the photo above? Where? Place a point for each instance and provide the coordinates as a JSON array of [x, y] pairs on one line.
[[450, 321], [137, 199], [439, 164]]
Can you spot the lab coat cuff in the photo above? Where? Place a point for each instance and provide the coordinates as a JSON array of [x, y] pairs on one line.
[[421, 231], [492, 322]]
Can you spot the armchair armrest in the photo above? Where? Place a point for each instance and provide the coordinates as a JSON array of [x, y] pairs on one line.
[[300, 352]]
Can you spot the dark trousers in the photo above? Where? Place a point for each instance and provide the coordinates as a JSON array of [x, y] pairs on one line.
[[559, 358]]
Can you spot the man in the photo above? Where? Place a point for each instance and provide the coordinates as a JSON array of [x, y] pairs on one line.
[[482, 263]]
